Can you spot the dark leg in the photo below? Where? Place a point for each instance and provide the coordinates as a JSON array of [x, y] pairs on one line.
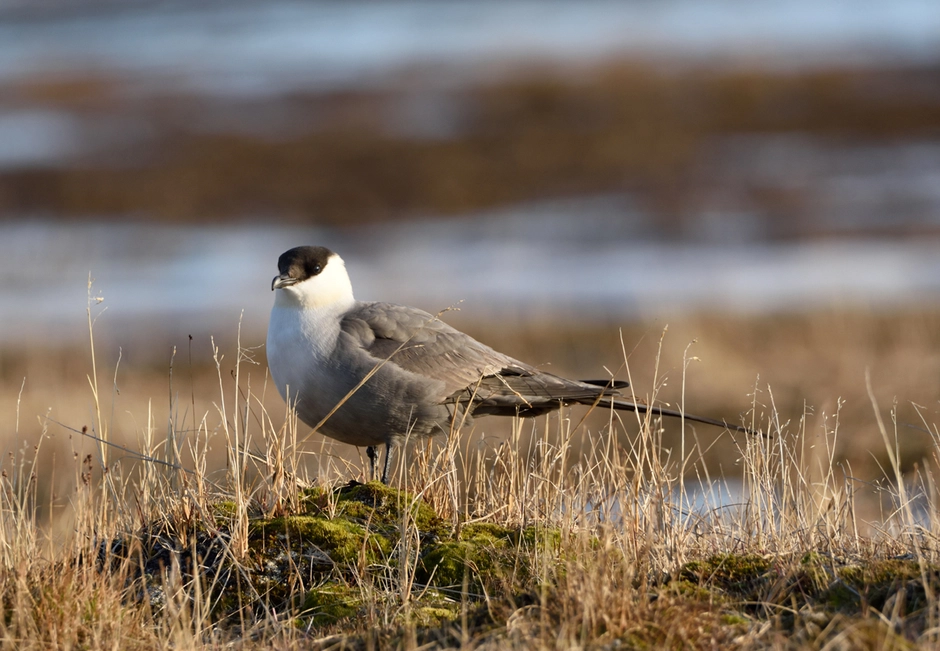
[[389, 452], [373, 457]]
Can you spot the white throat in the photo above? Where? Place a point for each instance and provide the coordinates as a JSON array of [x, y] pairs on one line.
[[305, 326], [330, 290]]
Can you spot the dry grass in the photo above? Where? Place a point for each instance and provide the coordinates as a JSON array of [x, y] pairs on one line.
[[637, 543]]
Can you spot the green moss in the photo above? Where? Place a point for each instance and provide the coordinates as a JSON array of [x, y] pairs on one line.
[[446, 563], [743, 576], [812, 583], [545, 538], [876, 581], [224, 510], [532, 537], [842, 597], [481, 531], [314, 499], [483, 551], [383, 506], [814, 576], [881, 572], [327, 605], [487, 553], [734, 619], [434, 616], [341, 539], [694, 591]]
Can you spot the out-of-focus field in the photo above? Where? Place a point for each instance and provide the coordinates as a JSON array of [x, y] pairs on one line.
[[810, 368], [674, 139], [697, 152], [206, 520]]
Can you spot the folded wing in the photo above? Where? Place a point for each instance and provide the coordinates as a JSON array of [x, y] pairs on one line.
[[470, 372]]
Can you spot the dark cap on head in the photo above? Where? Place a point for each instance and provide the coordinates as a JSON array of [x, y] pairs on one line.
[[300, 263]]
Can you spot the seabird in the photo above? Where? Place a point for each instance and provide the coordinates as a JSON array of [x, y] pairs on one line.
[[368, 373]]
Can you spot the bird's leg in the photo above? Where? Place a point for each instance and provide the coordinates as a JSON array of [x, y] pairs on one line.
[[389, 453], [373, 457]]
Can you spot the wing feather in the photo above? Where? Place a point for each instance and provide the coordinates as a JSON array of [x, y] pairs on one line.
[[420, 343]]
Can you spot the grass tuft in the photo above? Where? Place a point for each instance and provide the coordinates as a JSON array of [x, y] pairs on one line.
[[559, 536]]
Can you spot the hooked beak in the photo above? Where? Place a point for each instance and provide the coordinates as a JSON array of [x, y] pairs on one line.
[[284, 280]]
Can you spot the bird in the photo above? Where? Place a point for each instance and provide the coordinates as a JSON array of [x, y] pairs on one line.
[[372, 373]]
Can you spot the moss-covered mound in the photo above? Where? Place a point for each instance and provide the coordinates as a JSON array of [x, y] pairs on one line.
[[365, 560], [816, 598], [344, 544], [375, 505]]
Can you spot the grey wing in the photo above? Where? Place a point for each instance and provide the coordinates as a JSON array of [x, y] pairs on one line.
[[420, 343], [471, 372]]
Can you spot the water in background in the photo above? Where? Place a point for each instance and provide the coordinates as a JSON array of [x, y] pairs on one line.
[[247, 47], [528, 262], [594, 257], [247, 50]]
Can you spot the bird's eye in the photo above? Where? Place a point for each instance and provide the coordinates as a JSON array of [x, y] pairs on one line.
[[316, 269]]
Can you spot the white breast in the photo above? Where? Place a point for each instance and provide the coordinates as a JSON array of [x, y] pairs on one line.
[[299, 343]]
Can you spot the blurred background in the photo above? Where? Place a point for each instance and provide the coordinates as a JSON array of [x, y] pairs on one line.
[[761, 177]]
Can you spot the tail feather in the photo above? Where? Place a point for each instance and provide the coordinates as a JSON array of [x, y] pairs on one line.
[[624, 405], [610, 385]]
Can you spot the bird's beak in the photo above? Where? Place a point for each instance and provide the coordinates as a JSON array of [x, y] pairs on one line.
[[284, 280]]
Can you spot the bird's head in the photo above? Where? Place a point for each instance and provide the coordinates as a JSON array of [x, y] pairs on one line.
[[312, 277]]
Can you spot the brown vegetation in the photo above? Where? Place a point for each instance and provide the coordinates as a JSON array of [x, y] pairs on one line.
[[344, 157], [803, 366], [560, 534]]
